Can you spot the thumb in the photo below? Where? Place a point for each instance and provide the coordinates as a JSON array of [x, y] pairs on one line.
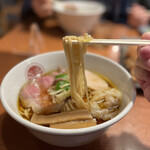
[[144, 51], [146, 35]]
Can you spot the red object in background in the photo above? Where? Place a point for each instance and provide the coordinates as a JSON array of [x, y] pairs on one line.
[[34, 70]]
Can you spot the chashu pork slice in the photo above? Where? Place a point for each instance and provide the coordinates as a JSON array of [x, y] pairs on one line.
[[95, 82], [81, 114]]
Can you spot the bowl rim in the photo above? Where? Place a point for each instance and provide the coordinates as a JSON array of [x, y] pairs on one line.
[[101, 10], [54, 131]]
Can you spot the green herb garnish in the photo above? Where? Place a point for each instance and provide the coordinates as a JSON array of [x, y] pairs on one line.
[[60, 85], [62, 76]]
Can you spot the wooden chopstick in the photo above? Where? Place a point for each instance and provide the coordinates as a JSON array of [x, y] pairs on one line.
[[132, 42]]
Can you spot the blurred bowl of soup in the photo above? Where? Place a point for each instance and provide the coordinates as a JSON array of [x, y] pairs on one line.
[[78, 17], [17, 77]]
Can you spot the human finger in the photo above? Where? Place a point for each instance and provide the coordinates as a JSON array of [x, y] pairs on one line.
[[146, 35], [146, 92], [141, 74], [143, 63], [144, 51]]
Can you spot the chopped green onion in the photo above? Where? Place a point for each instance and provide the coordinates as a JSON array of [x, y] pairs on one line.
[[66, 88], [62, 76], [64, 85], [60, 84]]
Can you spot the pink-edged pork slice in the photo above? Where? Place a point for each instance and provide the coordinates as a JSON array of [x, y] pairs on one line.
[[34, 95]]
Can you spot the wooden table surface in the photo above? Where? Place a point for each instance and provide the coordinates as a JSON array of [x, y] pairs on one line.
[[131, 133]]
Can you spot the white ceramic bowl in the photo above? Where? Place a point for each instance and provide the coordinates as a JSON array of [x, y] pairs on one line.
[[83, 20], [17, 77]]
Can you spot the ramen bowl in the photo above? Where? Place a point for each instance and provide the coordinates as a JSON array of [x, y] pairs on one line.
[[18, 76], [78, 17]]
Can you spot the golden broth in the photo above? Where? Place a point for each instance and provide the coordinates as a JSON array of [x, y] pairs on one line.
[[29, 111]]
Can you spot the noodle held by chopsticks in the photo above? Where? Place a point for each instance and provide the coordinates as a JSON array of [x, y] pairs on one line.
[[74, 54]]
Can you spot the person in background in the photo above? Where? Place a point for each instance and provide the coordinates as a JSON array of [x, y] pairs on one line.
[[138, 14], [142, 69], [116, 10], [37, 9], [132, 12]]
